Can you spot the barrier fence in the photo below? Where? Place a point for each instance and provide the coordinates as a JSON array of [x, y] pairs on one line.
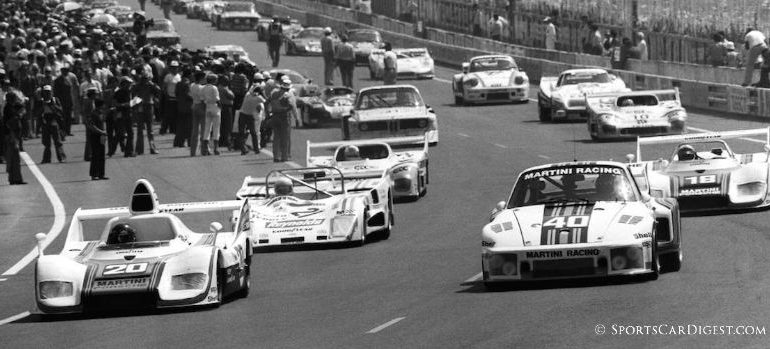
[[454, 48]]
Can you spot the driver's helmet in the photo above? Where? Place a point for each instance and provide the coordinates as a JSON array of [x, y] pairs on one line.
[[283, 186], [352, 152], [628, 102], [121, 234], [605, 183], [685, 153]]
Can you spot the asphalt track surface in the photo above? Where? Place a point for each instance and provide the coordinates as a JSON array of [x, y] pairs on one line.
[[417, 289]]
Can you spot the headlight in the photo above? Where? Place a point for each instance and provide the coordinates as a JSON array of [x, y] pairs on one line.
[[426, 61], [472, 82], [626, 258], [503, 264], [55, 289], [422, 123], [307, 48], [676, 115], [363, 126], [191, 281], [557, 99], [752, 188], [608, 118], [402, 184], [518, 80]]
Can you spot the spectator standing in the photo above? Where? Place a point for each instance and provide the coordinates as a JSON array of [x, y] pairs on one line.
[[610, 42], [28, 84], [615, 54], [754, 41], [226, 98], [141, 4], [51, 115], [62, 90], [97, 135], [283, 107], [346, 60], [89, 107], [717, 52], [274, 41], [167, 5], [627, 51], [212, 100], [124, 130], [550, 34], [390, 65], [641, 45], [11, 130], [184, 102], [147, 91], [172, 78], [732, 58], [496, 27], [477, 20], [327, 51], [251, 115], [198, 113]]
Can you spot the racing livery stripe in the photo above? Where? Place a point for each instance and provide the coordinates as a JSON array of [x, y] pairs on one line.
[[86, 252], [565, 224]]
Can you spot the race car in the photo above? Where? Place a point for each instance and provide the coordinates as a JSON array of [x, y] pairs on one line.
[[236, 15], [704, 174], [364, 41], [317, 205], [209, 8], [490, 79], [300, 84], [412, 63], [332, 103], [162, 33], [194, 9], [577, 220], [633, 114], [390, 111], [564, 97], [230, 51], [124, 15], [289, 25], [144, 255], [306, 42], [180, 6], [407, 169]]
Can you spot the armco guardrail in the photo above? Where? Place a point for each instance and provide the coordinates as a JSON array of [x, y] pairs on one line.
[[454, 48]]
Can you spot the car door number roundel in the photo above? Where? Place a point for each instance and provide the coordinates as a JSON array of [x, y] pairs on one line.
[[565, 224]]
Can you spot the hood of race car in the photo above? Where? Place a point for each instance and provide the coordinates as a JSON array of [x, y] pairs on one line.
[[571, 223], [391, 113], [578, 91], [413, 63], [240, 14], [494, 78], [289, 216]]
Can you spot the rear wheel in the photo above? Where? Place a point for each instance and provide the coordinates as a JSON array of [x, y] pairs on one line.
[[459, 100], [671, 262], [363, 228], [244, 291], [655, 260], [543, 112]]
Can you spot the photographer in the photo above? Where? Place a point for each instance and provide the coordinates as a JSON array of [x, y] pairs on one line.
[[52, 116], [274, 41]]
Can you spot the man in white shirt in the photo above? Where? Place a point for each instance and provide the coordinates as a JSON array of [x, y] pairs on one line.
[[550, 34], [198, 111], [496, 26], [251, 115], [210, 94], [641, 44], [755, 44], [169, 98], [390, 65]]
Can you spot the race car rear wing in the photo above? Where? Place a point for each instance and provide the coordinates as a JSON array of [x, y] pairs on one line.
[[399, 141], [702, 137], [663, 95]]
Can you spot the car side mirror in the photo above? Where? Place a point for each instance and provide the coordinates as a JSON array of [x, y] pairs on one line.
[[40, 237], [215, 227], [466, 67], [646, 197], [498, 207], [766, 147]]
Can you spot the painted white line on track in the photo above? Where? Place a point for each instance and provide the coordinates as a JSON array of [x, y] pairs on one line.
[[3, 279], [385, 325], [543, 156], [709, 131], [290, 163], [14, 318], [499, 145], [58, 211], [463, 135], [442, 80], [473, 278]]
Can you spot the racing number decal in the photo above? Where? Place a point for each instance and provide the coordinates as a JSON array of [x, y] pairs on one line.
[[310, 211], [705, 179], [565, 224], [133, 268]]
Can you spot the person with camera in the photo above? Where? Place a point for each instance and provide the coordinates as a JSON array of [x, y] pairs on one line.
[[51, 115], [251, 114], [274, 41]]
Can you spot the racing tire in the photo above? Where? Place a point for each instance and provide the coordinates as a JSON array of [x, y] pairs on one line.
[[671, 262], [385, 234], [363, 230], [543, 113], [244, 292], [459, 101], [655, 260], [220, 288]]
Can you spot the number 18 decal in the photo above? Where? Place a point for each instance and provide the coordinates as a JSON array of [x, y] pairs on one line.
[[115, 269], [567, 222], [705, 179]]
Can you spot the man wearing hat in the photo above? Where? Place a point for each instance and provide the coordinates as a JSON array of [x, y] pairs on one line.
[[51, 115], [550, 34], [211, 99], [172, 78], [327, 51], [283, 107], [148, 91]]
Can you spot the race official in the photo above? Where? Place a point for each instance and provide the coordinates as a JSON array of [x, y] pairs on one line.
[[51, 115], [283, 107], [346, 60], [251, 115], [754, 42], [390, 64], [327, 51]]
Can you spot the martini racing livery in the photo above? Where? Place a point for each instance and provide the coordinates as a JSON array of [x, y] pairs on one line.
[[390, 111], [704, 174], [579, 219], [412, 63], [563, 97], [146, 257], [490, 79], [323, 206], [632, 114], [407, 169], [333, 103]]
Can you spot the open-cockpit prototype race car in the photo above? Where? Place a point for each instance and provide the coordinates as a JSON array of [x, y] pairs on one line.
[[145, 256], [704, 174], [619, 115], [407, 170], [317, 205], [576, 220]]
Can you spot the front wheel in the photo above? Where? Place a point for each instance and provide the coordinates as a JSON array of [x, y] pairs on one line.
[[372, 75], [459, 100], [543, 112]]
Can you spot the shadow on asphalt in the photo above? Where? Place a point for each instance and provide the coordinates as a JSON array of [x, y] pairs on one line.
[[479, 287], [731, 212], [104, 314], [370, 239]]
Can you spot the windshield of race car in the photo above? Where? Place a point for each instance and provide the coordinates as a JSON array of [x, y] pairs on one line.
[[588, 183], [389, 98], [704, 151], [492, 63], [368, 151], [363, 36], [411, 54], [315, 33], [239, 7], [636, 101], [582, 78]]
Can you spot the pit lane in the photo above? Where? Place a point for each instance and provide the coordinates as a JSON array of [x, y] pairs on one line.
[[331, 298]]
